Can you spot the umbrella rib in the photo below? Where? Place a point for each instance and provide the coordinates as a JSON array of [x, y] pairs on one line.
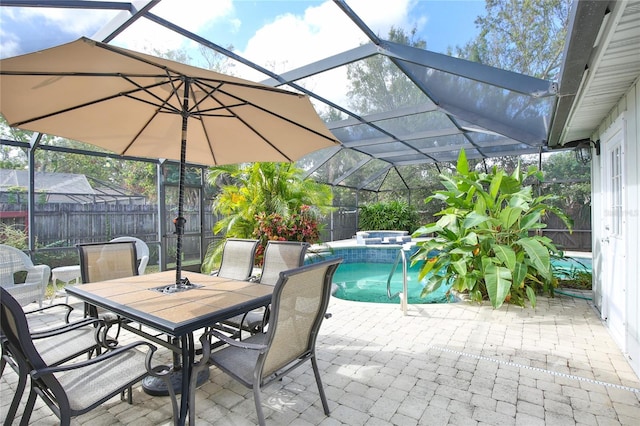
[[164, 103], [128, 94], [209, 94], [245, 102]]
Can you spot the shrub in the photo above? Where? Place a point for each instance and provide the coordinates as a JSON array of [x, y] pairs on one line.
[[483, 243], [393, 215], [303, 227]]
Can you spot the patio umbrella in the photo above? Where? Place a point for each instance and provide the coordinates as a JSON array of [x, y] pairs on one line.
[[140, 105]]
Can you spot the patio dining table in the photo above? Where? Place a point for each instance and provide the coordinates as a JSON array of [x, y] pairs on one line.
[[152, 301]]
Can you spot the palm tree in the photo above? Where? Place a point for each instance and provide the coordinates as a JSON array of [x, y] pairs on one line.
[[252, 188]]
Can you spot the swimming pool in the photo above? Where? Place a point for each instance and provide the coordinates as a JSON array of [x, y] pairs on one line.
[[364, 272], [367, 282], [569, 266]]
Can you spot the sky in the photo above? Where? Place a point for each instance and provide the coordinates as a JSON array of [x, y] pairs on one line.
[[265, 30], [278, 35]]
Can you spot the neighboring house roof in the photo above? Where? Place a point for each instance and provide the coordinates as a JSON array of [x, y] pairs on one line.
[[65, 183], [66, 187], [601, 63]]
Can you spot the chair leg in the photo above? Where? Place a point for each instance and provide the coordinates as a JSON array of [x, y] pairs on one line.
[[15, 402], [256, 398], [28, 409], [316, 373], [22, 371]]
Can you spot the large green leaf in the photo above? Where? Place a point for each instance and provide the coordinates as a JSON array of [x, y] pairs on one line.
[[463, 165], [509, 216], [495, 185], [498, 280], [470, 239], [474, 219], [531, 295], [427, 229], [519, 274], [509, 185], [529, 220], [506, 255], [538, 256], [460, 267]]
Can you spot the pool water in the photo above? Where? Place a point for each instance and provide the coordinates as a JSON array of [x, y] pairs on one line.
[[367, 282], [568, 267]]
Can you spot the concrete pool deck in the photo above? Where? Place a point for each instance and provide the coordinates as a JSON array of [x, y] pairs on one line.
[[461, 364]]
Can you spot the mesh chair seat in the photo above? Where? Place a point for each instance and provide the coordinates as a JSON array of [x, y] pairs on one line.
[[87, 387], [62, 347]]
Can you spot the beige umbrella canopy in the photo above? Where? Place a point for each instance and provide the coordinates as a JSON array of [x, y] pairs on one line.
[[140, 105]]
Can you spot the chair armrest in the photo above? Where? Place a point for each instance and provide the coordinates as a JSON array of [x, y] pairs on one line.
[[144, 260], [36, 374], [39, 274], [55, 331], [69, 308], [206, 347]]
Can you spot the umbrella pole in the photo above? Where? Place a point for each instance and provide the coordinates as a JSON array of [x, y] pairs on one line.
[[180, 220]]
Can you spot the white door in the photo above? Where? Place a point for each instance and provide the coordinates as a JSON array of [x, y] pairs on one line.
[[613, 253]]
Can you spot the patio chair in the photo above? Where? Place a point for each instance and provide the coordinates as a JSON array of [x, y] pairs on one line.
[[299, 303], [278, 256], [107, 261], [238, 256], [74, 389], [58, 344], [34, 285], [142, 252]]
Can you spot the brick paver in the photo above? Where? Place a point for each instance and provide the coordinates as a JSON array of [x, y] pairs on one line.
[[456, 364]]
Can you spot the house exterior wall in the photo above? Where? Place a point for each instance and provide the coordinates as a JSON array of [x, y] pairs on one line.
[[629, 105]]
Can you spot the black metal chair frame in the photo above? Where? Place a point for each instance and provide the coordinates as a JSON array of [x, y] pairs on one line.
[[49, 385], [258, 347]]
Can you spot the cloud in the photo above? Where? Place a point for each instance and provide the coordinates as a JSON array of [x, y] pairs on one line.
[[192, 15], [9, 44], [291, 41]]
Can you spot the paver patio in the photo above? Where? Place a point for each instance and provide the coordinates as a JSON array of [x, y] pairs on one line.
[[460, 364]]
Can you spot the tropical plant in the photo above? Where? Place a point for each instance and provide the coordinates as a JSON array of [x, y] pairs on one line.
[[396, 215], [253, 189], [485, 242], [302, 227]]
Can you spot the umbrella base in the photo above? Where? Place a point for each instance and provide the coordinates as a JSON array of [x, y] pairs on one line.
[[157, 387]]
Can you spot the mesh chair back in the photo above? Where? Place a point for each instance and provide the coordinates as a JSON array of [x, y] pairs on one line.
[[107, 261], [238, 256], [280, 256], [298, 306], [15, 330], [142, 252]]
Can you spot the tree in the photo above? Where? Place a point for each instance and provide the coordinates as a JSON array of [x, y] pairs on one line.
[[253, 189], [525, 36]]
